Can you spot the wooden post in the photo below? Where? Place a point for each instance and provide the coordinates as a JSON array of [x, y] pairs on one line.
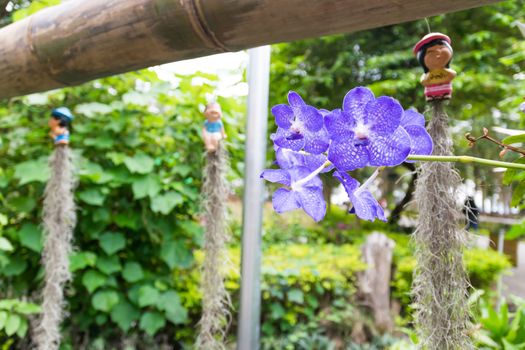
[[81, 40], [374, 282]]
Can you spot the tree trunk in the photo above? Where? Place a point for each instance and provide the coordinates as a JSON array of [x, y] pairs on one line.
[[374, 283], [396, 213], [80, 40]]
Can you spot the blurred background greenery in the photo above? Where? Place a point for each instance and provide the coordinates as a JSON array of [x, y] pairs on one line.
[[136, 139]]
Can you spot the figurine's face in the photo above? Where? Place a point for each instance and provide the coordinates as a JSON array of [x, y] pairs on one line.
[[53, 123], [437, 57], [213, 113]]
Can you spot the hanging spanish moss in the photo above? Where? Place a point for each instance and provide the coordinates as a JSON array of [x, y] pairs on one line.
[[59, 221], [216, 303], [440, 287]]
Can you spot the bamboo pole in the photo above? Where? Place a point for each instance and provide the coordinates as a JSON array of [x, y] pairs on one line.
[[81, 40]]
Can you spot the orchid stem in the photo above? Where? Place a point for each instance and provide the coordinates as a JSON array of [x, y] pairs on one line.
[[371, 179], [311, 176], [467, 159]]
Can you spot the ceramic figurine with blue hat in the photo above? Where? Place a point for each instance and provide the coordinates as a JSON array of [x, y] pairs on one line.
[[213, 129], [60, 123]]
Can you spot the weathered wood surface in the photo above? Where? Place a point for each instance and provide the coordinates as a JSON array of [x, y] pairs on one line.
[[374, 283], [81, 40]]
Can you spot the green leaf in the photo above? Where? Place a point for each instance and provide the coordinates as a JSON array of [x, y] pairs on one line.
[[16, 266], [108, 264], [31, 237], [38, 99], [32, 170], [124, 314], [112, 242], [127, 220], [3, 319], [180, 316], [22, 329], [148, 295], [93, 279], [181, 169], [35, 6], [136, 98], [169, 300], [509, 140], [165, 203], [518, 194], [151, 322], [25, 308], [92, 196], [12, 324], [170, 303], [78, 261], [132, 272], [105, 300], [5, 245], [93, 109], [512, 175], [140, 163], [296, 295], [175, 254], [145, 186], [23, 204]]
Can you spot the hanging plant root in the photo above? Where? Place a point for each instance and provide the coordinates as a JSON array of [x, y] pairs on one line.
[[216, 304], [440, 288], [59, 220]]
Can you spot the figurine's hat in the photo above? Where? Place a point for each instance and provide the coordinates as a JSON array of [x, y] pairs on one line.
[[428, 38], [62, 113]]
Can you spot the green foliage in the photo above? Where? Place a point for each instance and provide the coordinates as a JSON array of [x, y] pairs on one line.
[[35, 6], [136, 141], [483, 267], [500, 329], [14, 318]]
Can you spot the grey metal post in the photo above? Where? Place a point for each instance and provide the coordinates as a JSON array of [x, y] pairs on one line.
[[501, 248], [257, 124]]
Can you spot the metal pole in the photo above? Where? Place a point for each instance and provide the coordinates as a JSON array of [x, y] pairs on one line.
[[257, 124], [499, 287]]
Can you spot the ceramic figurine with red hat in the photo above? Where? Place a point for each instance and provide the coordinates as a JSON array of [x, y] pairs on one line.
[[434, 53], [59, 123]]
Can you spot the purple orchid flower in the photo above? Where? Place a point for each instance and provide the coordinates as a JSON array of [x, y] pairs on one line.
[[300, 126], [365, 205], [288, 159], [366, 131], [414, 124], [301, 192]]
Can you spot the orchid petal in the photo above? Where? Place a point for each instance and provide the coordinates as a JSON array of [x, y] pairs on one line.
[[286, 139], [340, 125], [346, 155], [383, 115], [355, 101], [420, 140], [312, 201], [277, 175], [316, 143], [389, 150], [366, 206], [283, 115], [295, 100], [310, 117], [412, 117], [285, 200]]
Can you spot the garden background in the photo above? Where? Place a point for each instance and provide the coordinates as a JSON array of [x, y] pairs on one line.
[[138, 238]]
